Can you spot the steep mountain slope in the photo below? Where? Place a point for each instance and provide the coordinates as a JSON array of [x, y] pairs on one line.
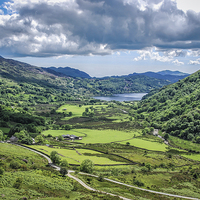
[[68, 71], [174, 109]]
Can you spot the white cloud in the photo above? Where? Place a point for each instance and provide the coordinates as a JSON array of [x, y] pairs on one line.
[[176, 62], [194, 53], [175, 53], [152, 55], [194, 62]]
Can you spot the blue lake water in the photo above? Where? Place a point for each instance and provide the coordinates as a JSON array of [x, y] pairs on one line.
[[123, 97]]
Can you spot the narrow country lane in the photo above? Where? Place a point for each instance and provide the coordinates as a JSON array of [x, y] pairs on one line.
[[110, 180]]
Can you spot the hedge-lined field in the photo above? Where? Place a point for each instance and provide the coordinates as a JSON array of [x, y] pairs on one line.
[[77, 110], [96, 136], [147, 144], [78, 155]]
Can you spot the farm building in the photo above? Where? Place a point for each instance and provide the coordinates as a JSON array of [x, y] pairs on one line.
[[71, 137], [13, 139]]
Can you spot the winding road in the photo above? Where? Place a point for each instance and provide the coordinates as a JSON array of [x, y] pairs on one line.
[[110, 180]]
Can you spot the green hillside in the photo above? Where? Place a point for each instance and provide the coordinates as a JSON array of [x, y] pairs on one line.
[[174, 109], [22, 73]]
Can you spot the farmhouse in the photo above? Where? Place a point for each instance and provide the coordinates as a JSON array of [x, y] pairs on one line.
[[71, 137], [13, 139], [66, 136]]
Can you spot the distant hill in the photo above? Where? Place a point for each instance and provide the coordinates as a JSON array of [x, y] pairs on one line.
[[68, 71], [171, 78], [174, 73], [50, 79]]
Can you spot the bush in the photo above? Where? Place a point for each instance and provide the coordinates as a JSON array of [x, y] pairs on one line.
[[18, 183], [15, 165], [138, 183], [1, 171], [64, 163], [63, 171], [55, 157], [87, 166]]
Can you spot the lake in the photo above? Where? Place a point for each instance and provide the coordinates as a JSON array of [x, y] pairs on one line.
[[123, 97]]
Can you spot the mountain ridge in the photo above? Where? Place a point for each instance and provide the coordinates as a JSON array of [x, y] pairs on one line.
[[68, 71]]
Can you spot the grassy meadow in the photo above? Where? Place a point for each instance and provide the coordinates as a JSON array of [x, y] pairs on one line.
[[146, 144], [76, 156], [77, 110], [96, 136], [184, 144]]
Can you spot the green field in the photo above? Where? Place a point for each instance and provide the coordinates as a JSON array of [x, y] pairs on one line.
[[193, 156], [76, 110], [62, 132], [96, 136], [78, 155], [184, 144], [147, 144]]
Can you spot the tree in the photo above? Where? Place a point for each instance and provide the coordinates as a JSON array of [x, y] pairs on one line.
[[148, 166], [166, 136], [87, 166], [64, 163], [63, 171], [39, 139], [128, 143], [55, 157], [70, 114], [198, 139], [66, 127], [24, 137], [60, 138]]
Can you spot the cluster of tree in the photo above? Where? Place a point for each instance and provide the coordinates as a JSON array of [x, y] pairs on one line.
[[175, 109], [89, 112]]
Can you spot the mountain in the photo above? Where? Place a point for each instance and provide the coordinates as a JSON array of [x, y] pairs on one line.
[[174, 73], [169, 77], [46, 77], [174, 109], [68, 71]]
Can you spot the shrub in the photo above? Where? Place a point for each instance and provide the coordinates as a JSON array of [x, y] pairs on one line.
[[138, 183], [1, 171], [64, 163], [87, 166], [55, 157], [15, 165], [63, 171], [18, 183]]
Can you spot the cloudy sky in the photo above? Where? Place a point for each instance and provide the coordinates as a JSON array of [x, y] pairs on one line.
[[103, 37]]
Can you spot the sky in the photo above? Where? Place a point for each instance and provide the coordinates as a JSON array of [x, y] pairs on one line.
[[103, 37]]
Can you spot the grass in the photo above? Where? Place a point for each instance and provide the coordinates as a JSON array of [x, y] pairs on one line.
[[97, 136], [193, 156], [184, 144], [107, 136], [147, 144], [78, 155], [5, 130], [12, 151], [76, 110], [55, 133]]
